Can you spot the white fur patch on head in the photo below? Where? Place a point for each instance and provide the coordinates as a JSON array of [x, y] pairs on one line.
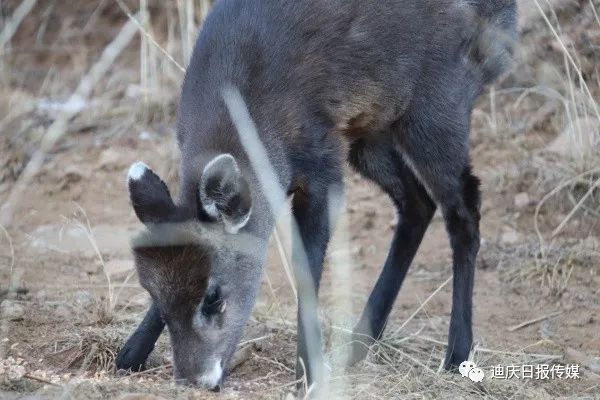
[[136, 171], [212, 376], [220, 157], [210, 207]]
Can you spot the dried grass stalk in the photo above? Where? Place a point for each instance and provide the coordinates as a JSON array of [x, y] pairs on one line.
[[13, 23], [57, 130]]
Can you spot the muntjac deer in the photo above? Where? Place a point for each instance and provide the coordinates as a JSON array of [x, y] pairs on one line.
[[385, 85]]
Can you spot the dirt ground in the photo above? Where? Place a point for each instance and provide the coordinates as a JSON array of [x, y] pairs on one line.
[[70, 294]]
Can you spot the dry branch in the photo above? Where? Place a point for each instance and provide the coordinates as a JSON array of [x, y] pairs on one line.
[[533, 321], [436, 291], [144, 32], [41, 380], [58, 128], [13, 23]]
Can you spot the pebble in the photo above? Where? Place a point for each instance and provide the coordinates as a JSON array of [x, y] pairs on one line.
[[145, 135], [16, 372], [12, 310], [522, 200], [510, 236]]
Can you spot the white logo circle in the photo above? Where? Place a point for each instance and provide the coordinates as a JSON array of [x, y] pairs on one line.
[[465, 367], [468, 369], [476, 374]]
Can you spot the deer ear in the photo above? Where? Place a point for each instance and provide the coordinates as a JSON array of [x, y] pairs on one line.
[[224, 193], [149, 195]]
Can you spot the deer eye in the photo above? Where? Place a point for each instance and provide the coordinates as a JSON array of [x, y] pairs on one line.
[[213, 302]]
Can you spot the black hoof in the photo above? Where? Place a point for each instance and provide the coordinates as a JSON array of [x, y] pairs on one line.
[[130, 359], [359, 348], [454, 360]]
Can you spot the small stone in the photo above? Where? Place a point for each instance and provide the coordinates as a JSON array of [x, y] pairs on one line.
[[16, 372], [145, 135], [522, 200], [510, 236], [11, 310]]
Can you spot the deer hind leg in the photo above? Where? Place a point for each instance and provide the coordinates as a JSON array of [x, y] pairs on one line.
[[437, 151], [379, 162]]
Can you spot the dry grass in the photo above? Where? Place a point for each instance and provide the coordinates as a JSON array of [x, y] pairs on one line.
[[565, 173], [91, 349], [547, 268]]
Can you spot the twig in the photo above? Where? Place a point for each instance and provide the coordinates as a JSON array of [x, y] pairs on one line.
[[258, 339], [241, 356], [10, 245], [594, 12], [42, 380], [577, 207], [533, 321], [285, 385], [570, 59], [11, 25], [87, 230], [492, 351], [517, 354], [58, 128], [548, 196], [436, 291], [403, 354], [147, 371], [275, 196], [285, 262], [144, 32]]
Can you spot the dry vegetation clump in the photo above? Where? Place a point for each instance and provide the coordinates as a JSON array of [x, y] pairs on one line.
[[549, 107], [91, 349], [549, 268]]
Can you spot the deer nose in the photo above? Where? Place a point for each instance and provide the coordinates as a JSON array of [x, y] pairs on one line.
[[212, 377], [193, 382]]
